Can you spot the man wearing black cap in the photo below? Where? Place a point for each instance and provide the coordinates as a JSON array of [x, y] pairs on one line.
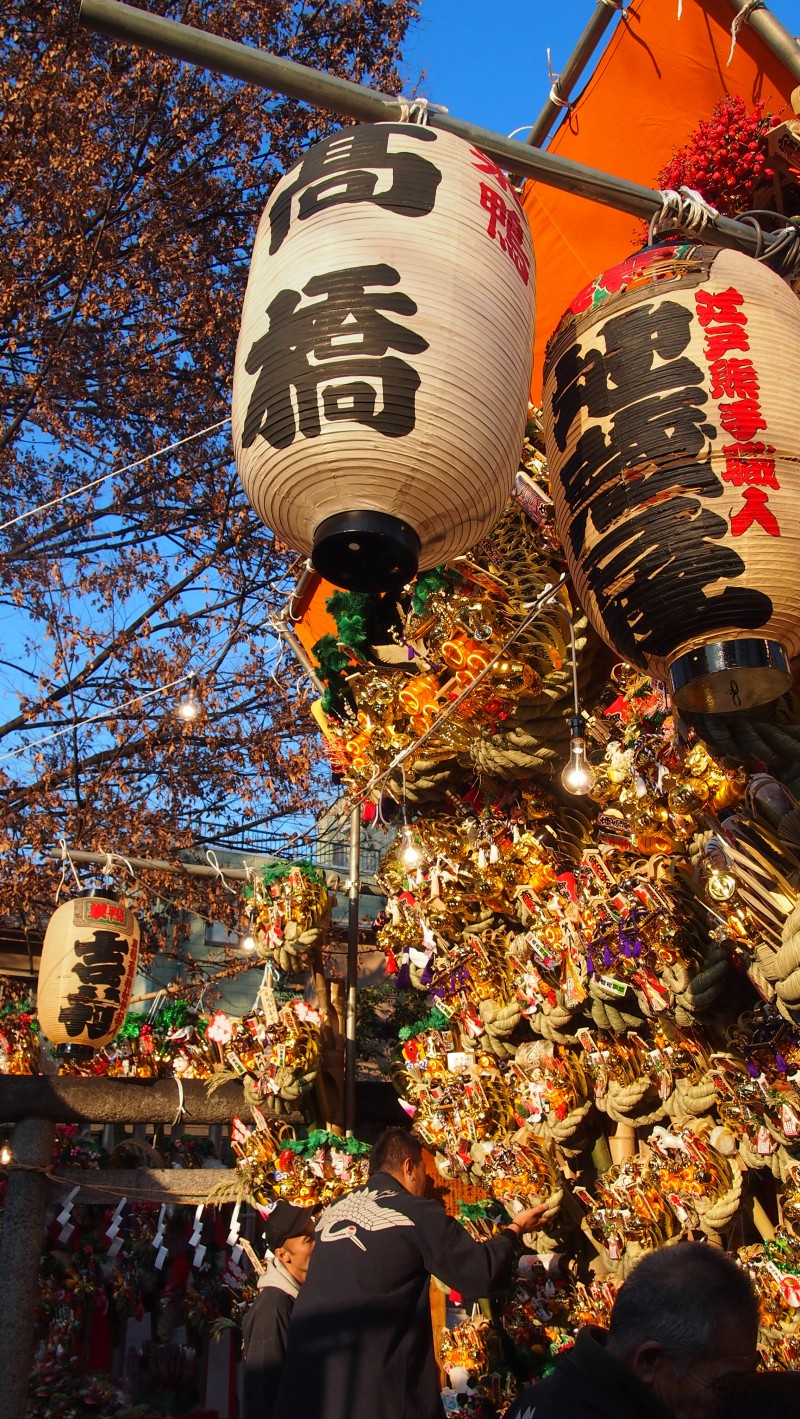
[[265, 1329]]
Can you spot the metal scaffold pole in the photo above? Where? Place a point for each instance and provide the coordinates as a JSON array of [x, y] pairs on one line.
[[351, 1000], [340, 96]]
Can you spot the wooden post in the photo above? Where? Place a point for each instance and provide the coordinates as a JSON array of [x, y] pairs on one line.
[[622, 1143], [20, 1249]]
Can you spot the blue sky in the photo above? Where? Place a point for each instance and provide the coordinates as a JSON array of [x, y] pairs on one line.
[[487, 63]]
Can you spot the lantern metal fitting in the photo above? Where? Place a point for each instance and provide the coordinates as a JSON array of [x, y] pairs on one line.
[[727, 676]]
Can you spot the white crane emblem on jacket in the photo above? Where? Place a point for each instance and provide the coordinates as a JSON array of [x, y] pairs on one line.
[[359, 1210]]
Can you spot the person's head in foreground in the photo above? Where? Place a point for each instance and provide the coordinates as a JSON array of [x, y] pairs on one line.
[[399, 1153], [686, 1323], [771, 1394], [290, 1237]]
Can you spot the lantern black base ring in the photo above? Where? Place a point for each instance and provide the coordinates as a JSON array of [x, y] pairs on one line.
[[727, 677], [366, 551]]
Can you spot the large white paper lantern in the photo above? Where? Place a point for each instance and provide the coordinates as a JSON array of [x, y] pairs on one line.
[[383, 367], [89, 958], [670, 414]]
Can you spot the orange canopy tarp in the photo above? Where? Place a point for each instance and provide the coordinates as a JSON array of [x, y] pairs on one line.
[[314, 621], [657, 79]]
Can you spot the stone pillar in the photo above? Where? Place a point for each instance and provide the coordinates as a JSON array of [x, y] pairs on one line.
[[20, 1253]]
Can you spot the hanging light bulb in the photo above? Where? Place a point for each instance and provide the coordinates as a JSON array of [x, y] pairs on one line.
[[188, 707], [410, 854], [5, 1155], [578, 775], [247, 942]]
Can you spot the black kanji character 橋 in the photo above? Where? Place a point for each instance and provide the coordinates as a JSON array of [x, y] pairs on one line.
[[352, 167], [348, 337]]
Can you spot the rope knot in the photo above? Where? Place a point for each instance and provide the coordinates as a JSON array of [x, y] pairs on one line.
[[686, 209], [418, 110]]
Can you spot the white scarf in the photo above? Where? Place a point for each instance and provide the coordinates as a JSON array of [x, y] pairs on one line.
[[278, 1277]]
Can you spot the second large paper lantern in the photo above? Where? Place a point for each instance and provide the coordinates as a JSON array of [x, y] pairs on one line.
[[89, 958], [383, 367], [670, 410]]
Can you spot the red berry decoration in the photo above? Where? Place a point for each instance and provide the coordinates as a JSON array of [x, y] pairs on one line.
[[725, 158]]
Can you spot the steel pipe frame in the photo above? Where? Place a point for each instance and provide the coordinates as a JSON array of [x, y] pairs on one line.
[[240, 61]]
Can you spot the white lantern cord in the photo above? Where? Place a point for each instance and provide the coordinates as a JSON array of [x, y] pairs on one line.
[[578, 776]]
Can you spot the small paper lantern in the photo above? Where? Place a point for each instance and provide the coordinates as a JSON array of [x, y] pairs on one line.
[[670, 412], [382, 373], [89, 957]]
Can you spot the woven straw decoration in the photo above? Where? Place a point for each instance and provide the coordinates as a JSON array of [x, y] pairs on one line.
[[671, 432], [385, 349], [89, 958]]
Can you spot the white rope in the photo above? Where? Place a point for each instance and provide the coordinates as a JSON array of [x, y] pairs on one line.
[[93, 718], [742, 19], [65, 861], [555, 80], [156, 1006], [556, 99], [115, 473], [181, 1114], [418, 110], [686, 209], [211, 859]]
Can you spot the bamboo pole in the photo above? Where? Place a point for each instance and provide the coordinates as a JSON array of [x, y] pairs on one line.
[[773, 33], [351, 986], [558, 99], [340, 96]]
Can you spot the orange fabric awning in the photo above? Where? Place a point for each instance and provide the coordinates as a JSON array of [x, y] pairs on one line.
[[314, 621], [656, 80]]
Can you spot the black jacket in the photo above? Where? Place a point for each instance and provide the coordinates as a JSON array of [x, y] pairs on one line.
[[265, 1333], [361, 1344], [588, 1383]]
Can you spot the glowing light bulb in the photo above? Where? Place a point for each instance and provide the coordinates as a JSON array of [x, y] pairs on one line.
[[5, 1155], [410, 854], [578, 775], [248, 943], [188, 707]]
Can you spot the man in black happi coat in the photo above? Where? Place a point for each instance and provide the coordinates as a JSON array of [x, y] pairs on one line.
[[361, 1341]]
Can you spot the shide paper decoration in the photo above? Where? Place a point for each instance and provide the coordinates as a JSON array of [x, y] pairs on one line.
[[89, 957], [381, 387], [671, 439]]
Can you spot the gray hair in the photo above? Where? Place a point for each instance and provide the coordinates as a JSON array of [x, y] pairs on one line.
[[680, 1295]]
